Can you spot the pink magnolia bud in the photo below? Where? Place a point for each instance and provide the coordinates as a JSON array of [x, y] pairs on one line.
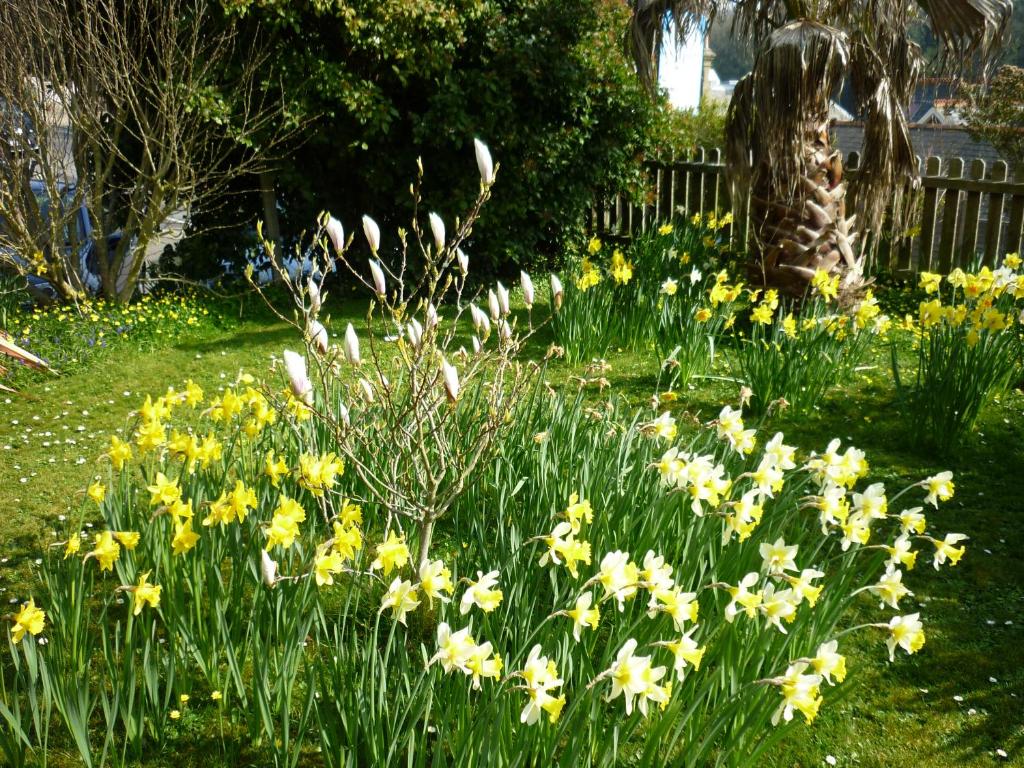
[[527, 283], [372, 233], [318, 334], [378, 278], [295, 366], [451, 380], [337, 234], [352, 345], [492, 305], [314, 295], [503, 299], [556, 292], [415, 333], [463, 260]]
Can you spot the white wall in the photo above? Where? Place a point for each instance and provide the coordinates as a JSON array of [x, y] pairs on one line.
[[680, 69]]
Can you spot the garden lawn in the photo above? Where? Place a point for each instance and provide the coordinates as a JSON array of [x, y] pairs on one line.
[[954, 704]]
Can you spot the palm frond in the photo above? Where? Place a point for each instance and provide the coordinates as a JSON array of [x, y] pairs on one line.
[[968, 29], [650, 22]]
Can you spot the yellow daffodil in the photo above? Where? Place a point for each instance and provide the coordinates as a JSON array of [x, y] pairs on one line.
[[144, 594], [392, 553], [97, 492], [29, 620]]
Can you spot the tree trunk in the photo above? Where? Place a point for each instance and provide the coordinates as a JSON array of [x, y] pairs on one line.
[[801, 226], [271, 220]]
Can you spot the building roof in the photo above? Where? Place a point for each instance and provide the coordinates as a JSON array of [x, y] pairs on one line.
[[945, 141]]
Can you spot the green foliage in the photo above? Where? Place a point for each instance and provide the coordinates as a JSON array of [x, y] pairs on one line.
[[544, 82], [996, 113], [678, 132]]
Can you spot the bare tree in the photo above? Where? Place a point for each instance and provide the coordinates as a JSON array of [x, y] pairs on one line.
[[138, 108]]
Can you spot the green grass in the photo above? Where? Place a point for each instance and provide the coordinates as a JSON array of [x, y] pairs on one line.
[[888, 714]]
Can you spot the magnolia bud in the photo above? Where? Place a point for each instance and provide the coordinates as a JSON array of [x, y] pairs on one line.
[[378, 278], [314, 295], [476, 345], [295, 366], [492, 305], [367, 390], [503, 299], [527, 283], [484, 162], [318, 334], [437, 229], [463, 260], [451, 380], [504, 330], [268, 568], [343, 412], [556, 292], [432, 318], [352, 345], [415, 332], [337, 234], [372, 232]]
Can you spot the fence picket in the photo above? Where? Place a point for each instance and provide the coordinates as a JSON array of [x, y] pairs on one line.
[[963, 214], [972, 212]]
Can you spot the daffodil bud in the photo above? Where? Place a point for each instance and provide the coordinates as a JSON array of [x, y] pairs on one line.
[[352, 345], [437, 230], [295, 366], [337, 234], [527, 283], [484, 163], [415, 333], [378, 278], [503, 299], [318, 334], [451, 380], [463, 260], [492, 305], [314, 295], [556, 292], [268, 568], [372, 233]]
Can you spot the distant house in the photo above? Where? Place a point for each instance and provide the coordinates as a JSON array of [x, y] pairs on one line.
[[929, 139]]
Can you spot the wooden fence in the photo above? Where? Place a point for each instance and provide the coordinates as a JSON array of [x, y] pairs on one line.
[[961, 218]]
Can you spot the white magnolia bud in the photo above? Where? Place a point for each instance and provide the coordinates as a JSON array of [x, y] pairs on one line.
[[318, 334], [378, 278], [314, 295], [451, 380], [372, 232], [476, 345], [463, 260], [367, 390], [484, 162], [295, 366], [343, 412], [492, 305], [437, 229], [337, 234], [432, 318], [503, 299], [556, 292], [415, 333], [504, 330], [527, 283], [268, 568], [352, 345]]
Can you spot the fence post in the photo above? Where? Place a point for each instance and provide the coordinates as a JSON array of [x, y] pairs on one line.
[[950, 216], [1016, 230], [972, 212], [932, 169], [996, 206]]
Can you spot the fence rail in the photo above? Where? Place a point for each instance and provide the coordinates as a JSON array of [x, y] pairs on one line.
[[961, 218]]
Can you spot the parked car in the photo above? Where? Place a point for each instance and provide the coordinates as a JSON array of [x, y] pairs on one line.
[[87, 258]]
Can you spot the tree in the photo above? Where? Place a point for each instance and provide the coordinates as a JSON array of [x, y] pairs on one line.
[[996, 114], [777, 141], [141, 108]]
